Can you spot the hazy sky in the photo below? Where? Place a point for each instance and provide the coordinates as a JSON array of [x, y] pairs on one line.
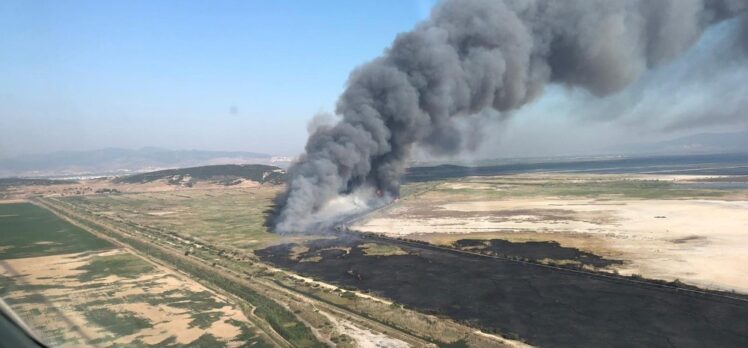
[[243, 75], [248, 75]]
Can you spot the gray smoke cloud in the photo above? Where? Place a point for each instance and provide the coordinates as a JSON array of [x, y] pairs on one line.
[[473, 55]]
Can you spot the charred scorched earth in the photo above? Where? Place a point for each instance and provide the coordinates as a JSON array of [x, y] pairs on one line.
[[543, 306]]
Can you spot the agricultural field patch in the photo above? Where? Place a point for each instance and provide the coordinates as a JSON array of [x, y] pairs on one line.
[[112, 297], [75, 289], [121, 265], [27, 230]]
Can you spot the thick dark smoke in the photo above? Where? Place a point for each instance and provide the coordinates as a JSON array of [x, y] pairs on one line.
[[471, 55]]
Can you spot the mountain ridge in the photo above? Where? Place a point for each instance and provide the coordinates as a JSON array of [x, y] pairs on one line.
[[119, 161]]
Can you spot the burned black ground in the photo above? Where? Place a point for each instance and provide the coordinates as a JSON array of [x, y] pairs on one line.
[[546, 307], [536, 251]]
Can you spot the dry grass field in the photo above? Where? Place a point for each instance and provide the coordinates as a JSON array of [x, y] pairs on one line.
[[225, 216]]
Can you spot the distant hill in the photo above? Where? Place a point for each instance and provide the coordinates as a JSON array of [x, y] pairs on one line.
[[120, 161], [228, 174], [703, 143]]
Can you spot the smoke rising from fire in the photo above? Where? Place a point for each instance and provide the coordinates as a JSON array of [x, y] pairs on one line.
[[472, 55]]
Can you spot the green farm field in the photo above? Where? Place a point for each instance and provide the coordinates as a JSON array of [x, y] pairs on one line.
[[27, 230]]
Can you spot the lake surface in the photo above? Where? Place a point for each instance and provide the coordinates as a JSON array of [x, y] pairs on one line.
[[720, 164]]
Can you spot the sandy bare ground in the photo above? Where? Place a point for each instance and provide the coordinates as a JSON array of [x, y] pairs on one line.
[[364, 338], [698, 241], [63, 300], [11, 201]]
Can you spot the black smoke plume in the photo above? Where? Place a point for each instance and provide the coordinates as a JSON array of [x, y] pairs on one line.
[[471, 55]]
